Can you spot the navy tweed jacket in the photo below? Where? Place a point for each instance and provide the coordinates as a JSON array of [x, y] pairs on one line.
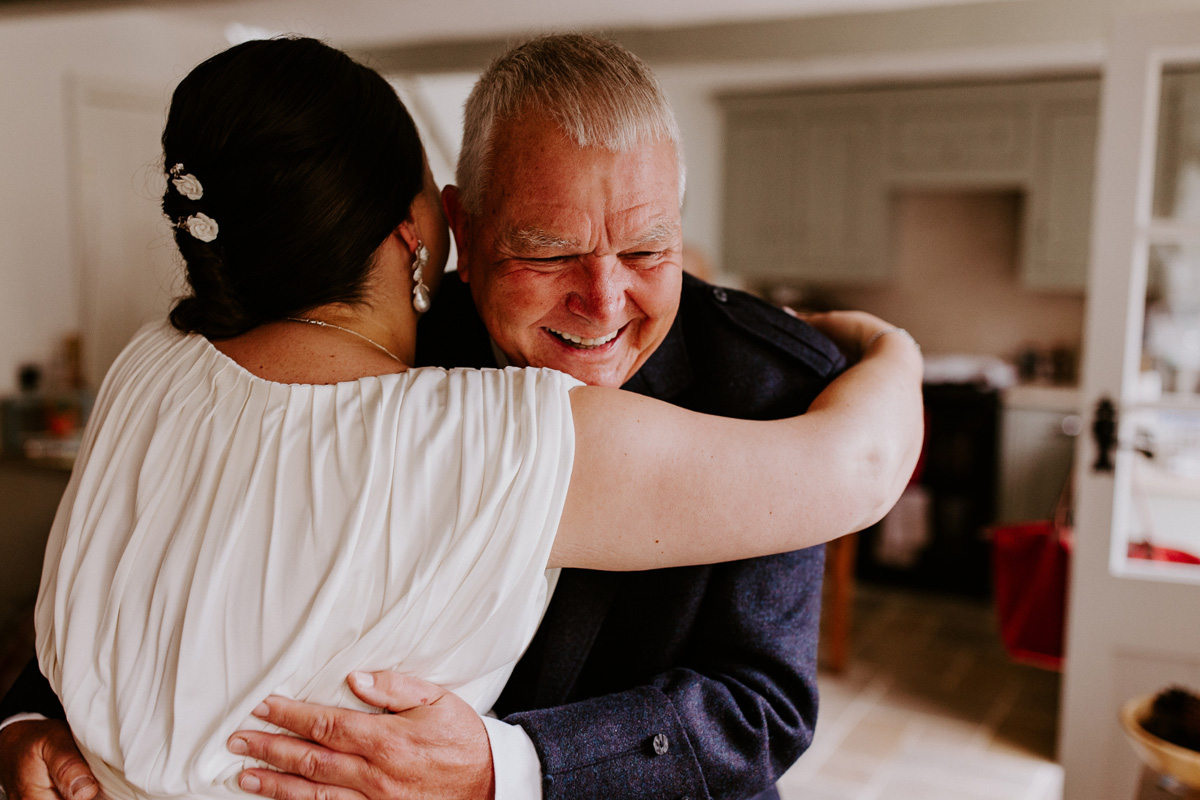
[[694, 682]]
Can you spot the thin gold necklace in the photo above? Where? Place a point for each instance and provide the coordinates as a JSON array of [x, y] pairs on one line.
[[392, 355]]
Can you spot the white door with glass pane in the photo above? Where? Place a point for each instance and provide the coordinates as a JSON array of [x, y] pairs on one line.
[[1134, 625]]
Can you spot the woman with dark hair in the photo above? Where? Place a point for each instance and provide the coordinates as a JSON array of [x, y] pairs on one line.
[[268, 496]]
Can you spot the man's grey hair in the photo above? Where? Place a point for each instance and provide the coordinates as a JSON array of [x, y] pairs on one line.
[[599, 93]]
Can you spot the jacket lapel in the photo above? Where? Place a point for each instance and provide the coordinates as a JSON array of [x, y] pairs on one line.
[[574, 618], [582, 598], [668, 370]]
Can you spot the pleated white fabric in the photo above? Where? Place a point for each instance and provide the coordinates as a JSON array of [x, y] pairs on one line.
[[225, 537]]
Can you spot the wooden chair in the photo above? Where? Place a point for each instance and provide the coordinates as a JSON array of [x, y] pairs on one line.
[[838, 600]]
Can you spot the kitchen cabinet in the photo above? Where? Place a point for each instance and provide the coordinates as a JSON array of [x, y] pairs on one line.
[[840, 207], [1059, 197], [809, 175], [802, 188], [758, 192], [1037, 426], [959, 136]]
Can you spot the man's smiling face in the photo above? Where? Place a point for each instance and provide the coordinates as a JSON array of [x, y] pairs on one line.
[[574, 258]]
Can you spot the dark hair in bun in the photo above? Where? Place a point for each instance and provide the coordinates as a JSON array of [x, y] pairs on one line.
[[307, 160]]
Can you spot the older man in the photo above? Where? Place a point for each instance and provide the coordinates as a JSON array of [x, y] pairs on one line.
[[695, 682]]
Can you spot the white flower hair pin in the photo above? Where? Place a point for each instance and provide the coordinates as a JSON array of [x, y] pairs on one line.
[[185, 183], [201, 226]]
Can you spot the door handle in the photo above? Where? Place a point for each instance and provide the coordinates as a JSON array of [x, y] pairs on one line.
[[1104, 431]]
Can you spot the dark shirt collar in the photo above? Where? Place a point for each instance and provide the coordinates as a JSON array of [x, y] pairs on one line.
[[668, 371], [451, 334]]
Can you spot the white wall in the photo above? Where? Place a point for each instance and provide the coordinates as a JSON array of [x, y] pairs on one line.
[[701, 128], [39, 302], [955, 282]]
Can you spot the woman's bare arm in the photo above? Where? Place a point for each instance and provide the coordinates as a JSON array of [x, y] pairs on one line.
[[654, 485]]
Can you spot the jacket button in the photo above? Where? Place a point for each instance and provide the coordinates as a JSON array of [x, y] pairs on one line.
[[661, 745], [720, 294]]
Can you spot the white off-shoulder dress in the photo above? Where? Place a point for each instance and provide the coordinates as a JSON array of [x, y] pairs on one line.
[[224, 538]]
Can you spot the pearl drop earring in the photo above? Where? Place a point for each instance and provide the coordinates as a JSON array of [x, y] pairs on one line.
[[420, 298]]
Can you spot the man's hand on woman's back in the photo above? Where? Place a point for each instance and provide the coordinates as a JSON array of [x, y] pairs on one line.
[[429, 744]]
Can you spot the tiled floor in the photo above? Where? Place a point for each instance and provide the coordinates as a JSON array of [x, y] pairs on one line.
[[930, 709]]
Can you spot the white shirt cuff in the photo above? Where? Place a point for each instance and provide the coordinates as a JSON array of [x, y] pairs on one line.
[[26, 716], [514, 760]]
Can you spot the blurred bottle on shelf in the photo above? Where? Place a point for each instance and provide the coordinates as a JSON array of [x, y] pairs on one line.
[[44, 420]]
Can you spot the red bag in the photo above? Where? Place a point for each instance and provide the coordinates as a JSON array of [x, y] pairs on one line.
[[1030, 564]]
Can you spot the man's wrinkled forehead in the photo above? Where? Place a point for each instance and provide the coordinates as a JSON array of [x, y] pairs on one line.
[[655, 234]]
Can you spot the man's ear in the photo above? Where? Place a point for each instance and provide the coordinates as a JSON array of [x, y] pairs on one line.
[[460, 227]]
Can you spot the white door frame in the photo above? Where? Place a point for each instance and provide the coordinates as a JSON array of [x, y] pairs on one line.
[[1133, 628]]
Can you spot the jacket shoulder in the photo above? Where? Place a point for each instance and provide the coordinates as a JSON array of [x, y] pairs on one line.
[[730, 319]]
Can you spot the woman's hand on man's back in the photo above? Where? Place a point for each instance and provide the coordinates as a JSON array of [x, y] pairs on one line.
[[41, 762]]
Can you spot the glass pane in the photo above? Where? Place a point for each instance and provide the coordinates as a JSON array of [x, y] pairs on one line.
[[1177, 173], [1165, 481], [1171, 345]]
